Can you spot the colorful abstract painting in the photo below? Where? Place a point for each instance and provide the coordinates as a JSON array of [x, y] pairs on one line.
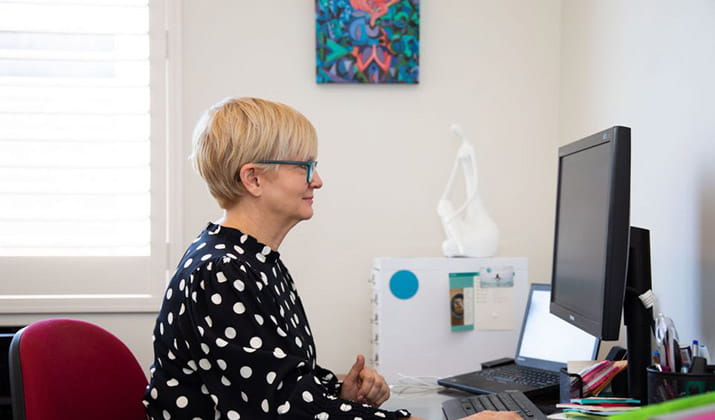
[[367, 41]]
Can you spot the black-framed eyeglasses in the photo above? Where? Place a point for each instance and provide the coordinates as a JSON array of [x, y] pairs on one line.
[[308, 164]]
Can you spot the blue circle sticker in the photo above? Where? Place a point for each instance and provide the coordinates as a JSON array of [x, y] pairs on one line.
[[404, 284]]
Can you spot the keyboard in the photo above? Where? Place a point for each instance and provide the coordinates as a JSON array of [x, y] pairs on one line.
[[502, 401], [522, 375]]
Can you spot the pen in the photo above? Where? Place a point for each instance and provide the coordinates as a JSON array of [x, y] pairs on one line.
[[694, 348]]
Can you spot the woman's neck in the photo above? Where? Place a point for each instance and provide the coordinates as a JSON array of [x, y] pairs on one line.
[[249, 220]]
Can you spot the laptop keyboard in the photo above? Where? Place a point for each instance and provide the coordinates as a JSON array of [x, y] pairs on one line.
[[502, 401], [521, 375]]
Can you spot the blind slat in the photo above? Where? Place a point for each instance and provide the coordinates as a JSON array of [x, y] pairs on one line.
[[75, 154]]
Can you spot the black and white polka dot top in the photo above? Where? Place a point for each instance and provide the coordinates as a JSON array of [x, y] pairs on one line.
[[232, 341]]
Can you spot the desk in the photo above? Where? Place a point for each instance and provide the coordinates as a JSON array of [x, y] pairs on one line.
[[427, 404]]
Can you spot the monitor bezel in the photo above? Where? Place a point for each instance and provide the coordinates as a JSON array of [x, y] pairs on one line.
[[617, 246]]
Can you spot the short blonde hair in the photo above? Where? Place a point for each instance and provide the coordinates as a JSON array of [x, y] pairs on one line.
[[237, 131]]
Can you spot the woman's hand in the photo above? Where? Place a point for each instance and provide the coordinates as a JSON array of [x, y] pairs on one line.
[[364, 385]]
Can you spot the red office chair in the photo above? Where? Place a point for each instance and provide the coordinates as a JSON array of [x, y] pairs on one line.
[[63, 369]]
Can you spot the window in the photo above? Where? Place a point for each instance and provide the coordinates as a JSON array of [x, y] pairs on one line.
[[83, 127]]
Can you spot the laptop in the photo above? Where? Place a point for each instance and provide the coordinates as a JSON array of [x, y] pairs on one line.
[[546, 344]]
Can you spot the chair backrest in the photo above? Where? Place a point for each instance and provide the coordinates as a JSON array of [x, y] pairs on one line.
[[63, 369]]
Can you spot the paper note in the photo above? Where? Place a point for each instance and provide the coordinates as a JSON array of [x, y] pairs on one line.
[[461, 301], [494, 299]]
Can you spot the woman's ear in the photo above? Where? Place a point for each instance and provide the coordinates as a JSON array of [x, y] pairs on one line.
[[249, 176]]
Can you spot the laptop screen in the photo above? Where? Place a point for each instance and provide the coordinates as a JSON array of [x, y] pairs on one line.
[[548, 342]]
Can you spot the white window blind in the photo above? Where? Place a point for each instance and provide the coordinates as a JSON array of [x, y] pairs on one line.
[[82, 147]]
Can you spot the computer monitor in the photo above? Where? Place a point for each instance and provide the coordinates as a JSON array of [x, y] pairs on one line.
[[592, 247]]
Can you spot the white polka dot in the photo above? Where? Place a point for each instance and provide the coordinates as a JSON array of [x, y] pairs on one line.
[[220, 277], [170, 318], [322, 416], [259, 319], [264, 278], [205, 364], [249, 349], [154, 393], [238, 249], [259, 285], [203, 244], [379, 414], [206, 257], [201, 330], [208, 320], [266, 250], [202, 285], [191, 364], [221, 342], [282, 409], [345, 407], [187, 371], [246, 372], [182, 309], [280, 332], [221, 364], [169, 293], [298, 342], [243, 238], [261, 258], [193, 295], [182, 402], [188, 263], [307, 396], [216, 299], [239, 285], [205, 348], [230, 332], [225, 381], [209, 265], [172, 382], [244, 397], [256, 342], [204, 390], [239, 308], [264, 406], [166, 415], [161, 328], [270, 377], [279, 353], [232, 415], [214, 398]]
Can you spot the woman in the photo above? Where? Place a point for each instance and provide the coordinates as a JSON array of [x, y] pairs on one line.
[[232, 340]]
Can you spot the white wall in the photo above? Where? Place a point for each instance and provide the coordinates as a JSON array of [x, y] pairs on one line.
[[649, 65], [386, 151]]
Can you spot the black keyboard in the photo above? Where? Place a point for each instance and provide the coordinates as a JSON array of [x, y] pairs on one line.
[[522, 375], [501, 401]]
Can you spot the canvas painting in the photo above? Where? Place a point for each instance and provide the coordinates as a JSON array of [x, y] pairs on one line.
[[367, 41]]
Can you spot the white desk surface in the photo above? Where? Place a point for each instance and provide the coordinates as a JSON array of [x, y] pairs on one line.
[[426, 404]]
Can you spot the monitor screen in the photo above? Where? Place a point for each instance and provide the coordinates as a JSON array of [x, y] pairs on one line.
[[549, 338], [591, 233]]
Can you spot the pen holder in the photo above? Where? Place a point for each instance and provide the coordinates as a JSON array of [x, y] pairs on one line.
[[570, 386], [664, 386]]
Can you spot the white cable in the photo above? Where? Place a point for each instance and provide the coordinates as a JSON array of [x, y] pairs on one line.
[[415, 384]]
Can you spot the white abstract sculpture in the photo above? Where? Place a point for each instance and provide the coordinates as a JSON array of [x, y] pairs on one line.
[[469, 229]]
